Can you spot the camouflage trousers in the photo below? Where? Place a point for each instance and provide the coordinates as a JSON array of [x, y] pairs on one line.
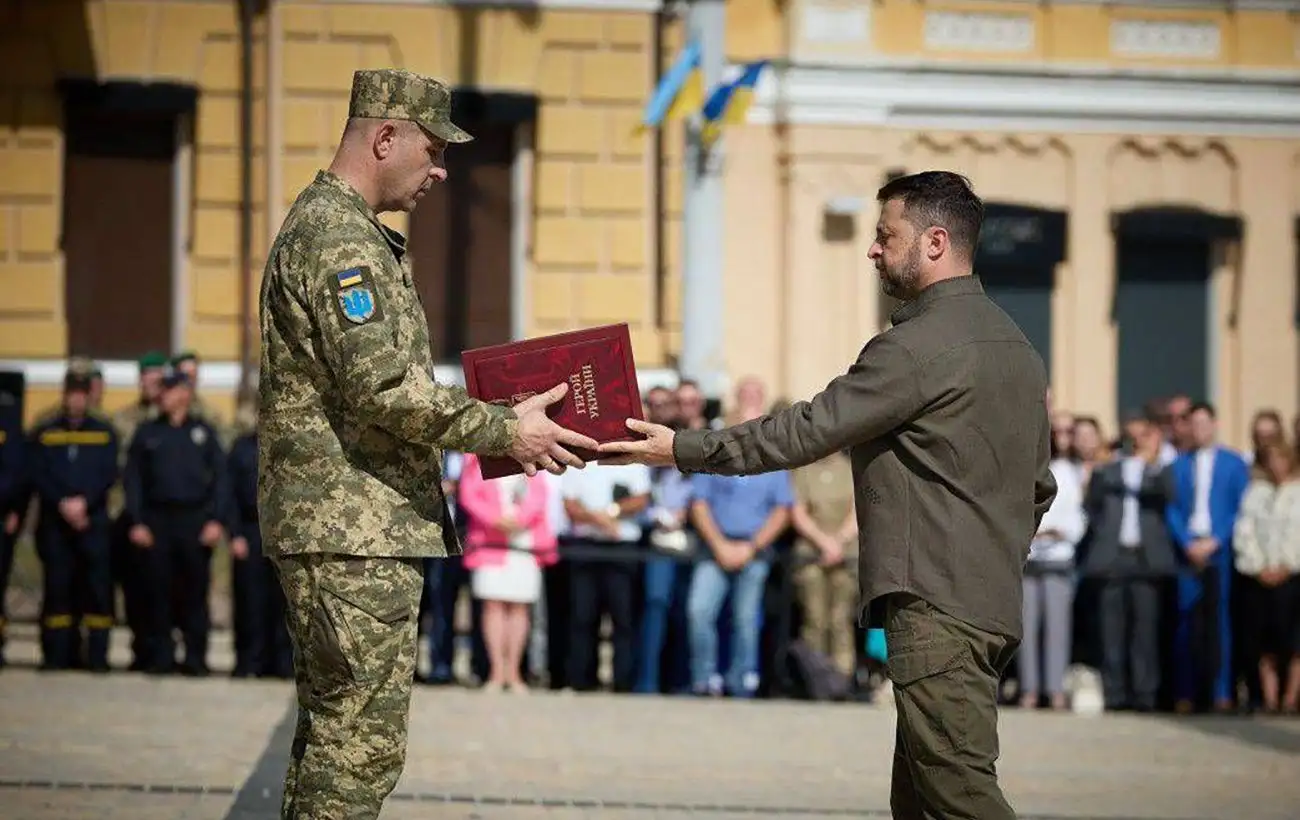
[[354, 623]]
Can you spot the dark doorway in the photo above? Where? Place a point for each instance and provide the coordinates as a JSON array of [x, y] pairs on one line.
[[118, 215], [1164, 258], [1019, 250], [460, 244], [461, 235]]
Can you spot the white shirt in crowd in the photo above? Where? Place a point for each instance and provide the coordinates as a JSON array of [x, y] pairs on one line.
[[1065, 516], [1132, 469], [1200, 523], [593, 488]]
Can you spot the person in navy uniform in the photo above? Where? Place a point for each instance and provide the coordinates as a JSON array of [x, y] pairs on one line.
[[262, 645], [176, 495], [73, 463], [14, 492]]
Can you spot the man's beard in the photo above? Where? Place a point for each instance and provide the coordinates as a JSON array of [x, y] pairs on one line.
[[901, 282]]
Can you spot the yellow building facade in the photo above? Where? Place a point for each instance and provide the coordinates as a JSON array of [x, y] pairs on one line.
[[125, 219], [1135, 157], [1139, 162]]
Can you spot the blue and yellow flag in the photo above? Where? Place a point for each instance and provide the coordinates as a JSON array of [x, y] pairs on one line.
[[679, 92], [729, 102]]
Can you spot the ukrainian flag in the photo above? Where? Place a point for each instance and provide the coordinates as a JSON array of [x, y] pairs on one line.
[[680, 90], [729, 102]]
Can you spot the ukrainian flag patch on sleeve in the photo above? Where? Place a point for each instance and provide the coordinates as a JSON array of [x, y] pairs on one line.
[[349, 277], [356, 299]]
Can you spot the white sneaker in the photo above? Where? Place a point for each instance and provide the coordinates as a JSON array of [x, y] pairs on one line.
[[884, 694]]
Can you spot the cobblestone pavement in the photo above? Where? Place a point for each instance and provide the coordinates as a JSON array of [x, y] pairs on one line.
[[124, 746]]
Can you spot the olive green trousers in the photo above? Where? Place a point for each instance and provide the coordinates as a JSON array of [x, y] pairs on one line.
[[945, 675]]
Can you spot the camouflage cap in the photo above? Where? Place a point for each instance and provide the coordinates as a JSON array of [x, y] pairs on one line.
[[83, 366], [393, 94], [75, 381]]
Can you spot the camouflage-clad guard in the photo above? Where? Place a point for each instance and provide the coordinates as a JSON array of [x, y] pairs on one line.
[[127, 569], [145, 407], [351, 431]]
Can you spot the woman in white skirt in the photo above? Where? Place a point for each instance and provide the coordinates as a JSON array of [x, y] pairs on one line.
[[508, 540]]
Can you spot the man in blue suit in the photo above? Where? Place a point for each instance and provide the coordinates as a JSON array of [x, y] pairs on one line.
[[1209, 482]]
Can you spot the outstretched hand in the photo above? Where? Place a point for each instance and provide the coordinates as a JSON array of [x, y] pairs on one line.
[[538, 443], [655, 450]]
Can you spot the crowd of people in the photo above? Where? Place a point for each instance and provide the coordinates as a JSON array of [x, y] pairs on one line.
[[1168, 562], [127, 511]]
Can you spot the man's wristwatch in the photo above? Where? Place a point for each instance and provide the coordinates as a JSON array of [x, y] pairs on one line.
[[614, 510]]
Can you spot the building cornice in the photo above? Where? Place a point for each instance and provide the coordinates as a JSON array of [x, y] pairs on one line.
[[643, 6], [1039, 98], [223, 376], [1198, 5]]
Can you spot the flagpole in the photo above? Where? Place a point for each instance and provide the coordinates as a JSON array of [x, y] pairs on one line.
[[702, 217]]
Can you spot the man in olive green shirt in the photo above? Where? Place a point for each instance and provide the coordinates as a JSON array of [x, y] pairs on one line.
[[946, 421], [351, 432]]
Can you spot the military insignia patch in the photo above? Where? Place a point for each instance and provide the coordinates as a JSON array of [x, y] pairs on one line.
[[356, 298], [357, 304]]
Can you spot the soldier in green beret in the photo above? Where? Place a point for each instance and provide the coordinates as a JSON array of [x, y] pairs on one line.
[[126, 571], [126, 420], [351, 430]]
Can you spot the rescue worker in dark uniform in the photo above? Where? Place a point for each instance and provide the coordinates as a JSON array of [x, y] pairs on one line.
[[262, 646], [14, 495], [126, 569], [73, 463], [86, 368], [175, 495]]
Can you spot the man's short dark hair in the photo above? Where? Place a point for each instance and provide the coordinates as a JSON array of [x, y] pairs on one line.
[[1157, 410], [1205, 406], [939, 199]]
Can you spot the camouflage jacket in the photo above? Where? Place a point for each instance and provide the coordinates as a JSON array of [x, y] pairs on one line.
[[125, 422], [351, 424]]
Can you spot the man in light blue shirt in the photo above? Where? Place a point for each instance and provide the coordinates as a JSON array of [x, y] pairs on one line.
[[737, 518], [667, 580]]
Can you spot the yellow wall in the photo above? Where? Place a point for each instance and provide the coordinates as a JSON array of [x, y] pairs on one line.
[[590, 257], [592, 230], [816, 300], [1064, 33]]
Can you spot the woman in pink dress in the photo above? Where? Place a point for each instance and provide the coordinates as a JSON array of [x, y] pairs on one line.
[[508, 540]]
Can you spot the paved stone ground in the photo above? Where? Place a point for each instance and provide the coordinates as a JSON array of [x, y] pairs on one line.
[[124, 746]]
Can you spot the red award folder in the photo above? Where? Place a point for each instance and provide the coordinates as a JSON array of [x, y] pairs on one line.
[[597, 364]]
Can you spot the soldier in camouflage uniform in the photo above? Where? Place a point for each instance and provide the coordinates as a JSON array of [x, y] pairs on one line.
[[126, 561], [145, 407], [351, 428]]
